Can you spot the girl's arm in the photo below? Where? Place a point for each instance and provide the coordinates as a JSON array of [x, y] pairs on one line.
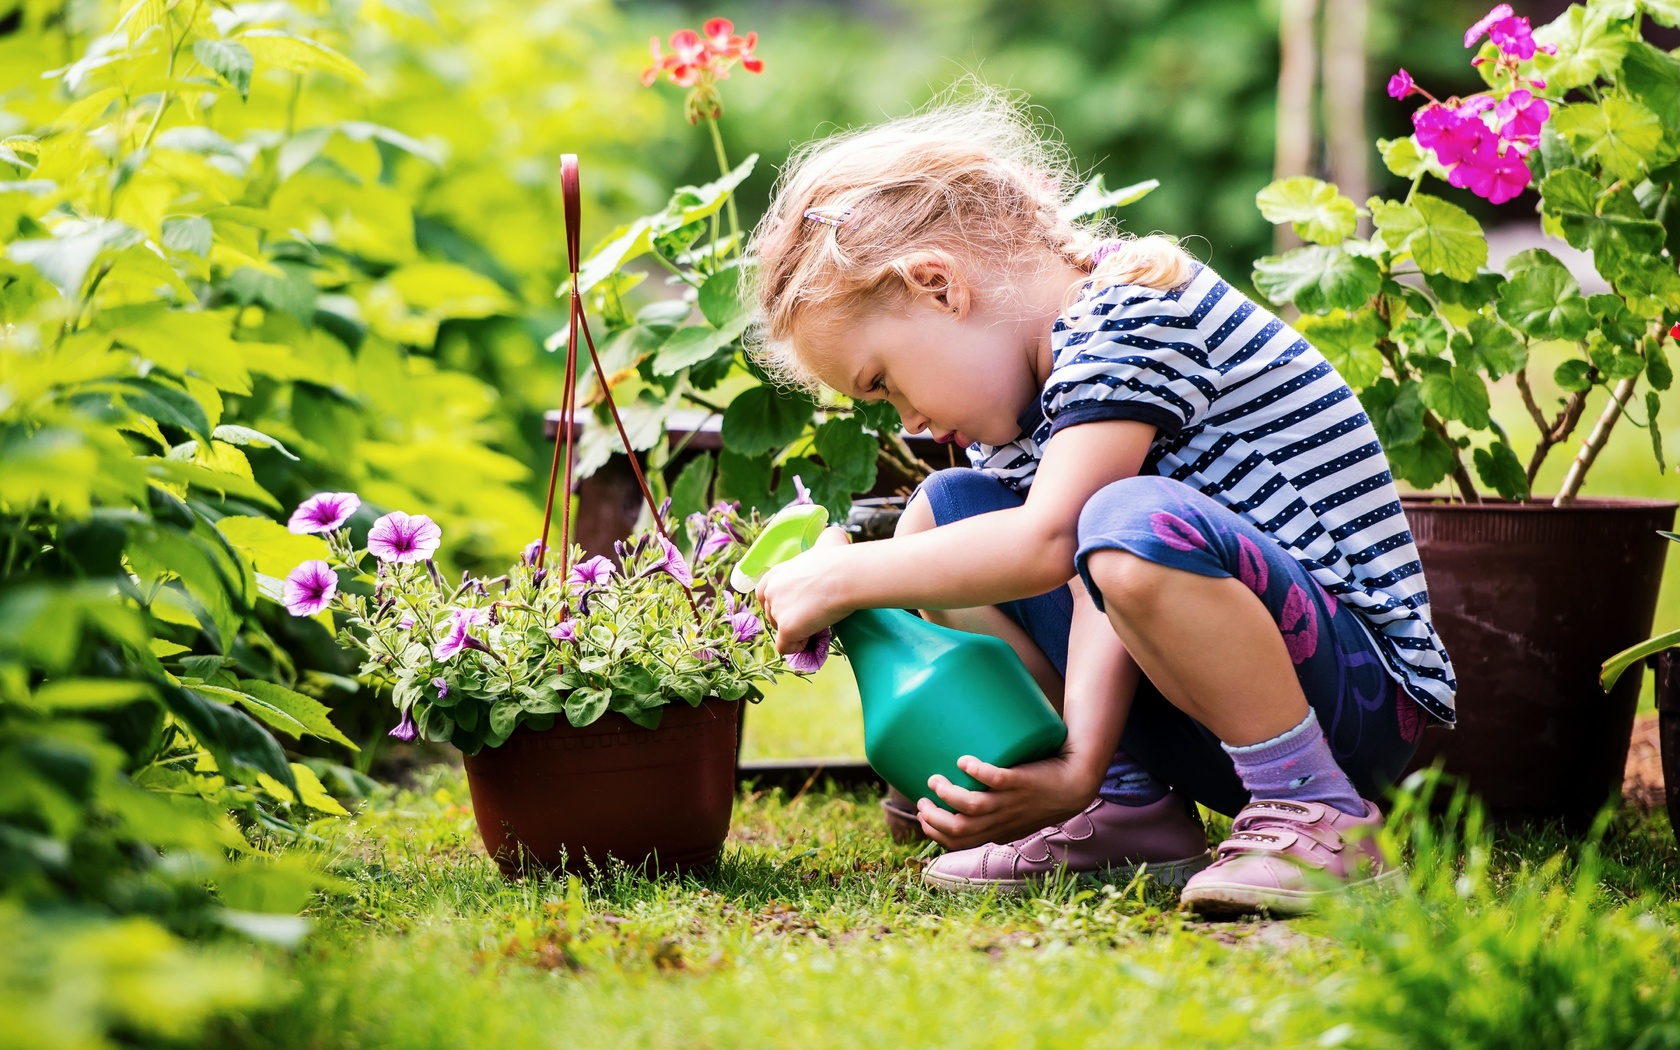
[[1101, 680], [983, 560]]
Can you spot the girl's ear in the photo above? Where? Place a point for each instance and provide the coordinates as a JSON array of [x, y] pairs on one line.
[[934, 277]]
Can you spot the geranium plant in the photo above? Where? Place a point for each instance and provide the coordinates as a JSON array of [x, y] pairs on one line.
[[1587, 113], [468, 662]]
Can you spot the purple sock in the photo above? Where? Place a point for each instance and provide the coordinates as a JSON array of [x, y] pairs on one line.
[[1296, 765], [1128, 784]]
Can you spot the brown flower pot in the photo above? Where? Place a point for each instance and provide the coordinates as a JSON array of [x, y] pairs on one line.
[[1530, 600], [568, 799]]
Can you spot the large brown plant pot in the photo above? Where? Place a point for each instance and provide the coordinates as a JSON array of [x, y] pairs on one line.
[[569, 799], [1530, 600]]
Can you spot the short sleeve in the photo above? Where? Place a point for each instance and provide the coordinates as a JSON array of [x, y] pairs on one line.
[[1132, 353]]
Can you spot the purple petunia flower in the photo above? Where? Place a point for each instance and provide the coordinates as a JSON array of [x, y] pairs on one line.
[[533, 553], [457, 638], [1400, 85], [747, 626], [406, 730], [711, 541], [802, 494], [565, 630], [591, 572], [441, 686], [814, 655], [323, 512], [706, 655], [406, 622], [403, 537], [309, 588], [671, 561]]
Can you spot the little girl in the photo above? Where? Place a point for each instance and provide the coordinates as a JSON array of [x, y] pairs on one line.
[[1181, 518]]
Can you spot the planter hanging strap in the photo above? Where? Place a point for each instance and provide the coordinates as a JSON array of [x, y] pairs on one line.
[[572, 199]]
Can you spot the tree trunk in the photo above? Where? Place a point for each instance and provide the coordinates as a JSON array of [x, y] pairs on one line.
[[1297, 76], [1344, 100]]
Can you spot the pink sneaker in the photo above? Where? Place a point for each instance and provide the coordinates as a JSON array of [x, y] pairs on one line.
[[1278, 857], [1166, 835]]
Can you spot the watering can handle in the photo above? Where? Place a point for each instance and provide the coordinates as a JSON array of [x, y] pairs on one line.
[[572, 198]]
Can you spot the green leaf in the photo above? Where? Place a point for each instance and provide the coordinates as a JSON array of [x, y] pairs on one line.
[[1318, 278], [1405, 158], [746, 478], [295, 54], [1543, 301], [1440, 237], [1653, 77], [1662, 12], [848, 451], [687, 347], [228, 59], [1613, 667], [688, 492], [238, 435], [435, 724], [65, 258], [504, 717], [1651, 288], [1490, 347], [1424, 463], [1653, 406], [1349, 343], [166, 404], [314, 716], [1611, 226], [1500, 470], [1396, 412], [230, 735], [584, 706], [1316, 210], [1460, 394], [1619, 133], [633, 679], [1589, 45], [1092, 198], [764, 418], [720, 298], [192, 234], [1657, 368], [1572, 375], [81, 694], [272, 549]]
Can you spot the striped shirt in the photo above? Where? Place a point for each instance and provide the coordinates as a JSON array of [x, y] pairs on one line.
[[1247, 411]]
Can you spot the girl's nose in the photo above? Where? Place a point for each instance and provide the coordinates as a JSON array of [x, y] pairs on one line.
[[914, 421]]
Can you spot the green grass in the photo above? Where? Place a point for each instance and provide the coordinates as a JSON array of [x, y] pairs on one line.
[[814, 930]]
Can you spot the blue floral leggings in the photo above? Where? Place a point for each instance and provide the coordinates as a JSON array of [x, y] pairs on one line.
[[1371, 724]]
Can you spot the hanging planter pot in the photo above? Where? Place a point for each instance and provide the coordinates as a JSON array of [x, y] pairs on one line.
[[579, 798]]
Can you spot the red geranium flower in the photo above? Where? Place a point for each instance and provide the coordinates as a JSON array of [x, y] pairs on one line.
[[696, 56]]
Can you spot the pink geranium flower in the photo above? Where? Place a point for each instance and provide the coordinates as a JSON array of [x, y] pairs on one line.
[[457, 636], [1400, 85], [1509, 32], [309, 588], [402, 537], [1521, 116], [323, 512], [810, 659]]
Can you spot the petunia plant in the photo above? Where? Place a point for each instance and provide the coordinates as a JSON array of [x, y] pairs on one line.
[[1587, 114], [471, 661]]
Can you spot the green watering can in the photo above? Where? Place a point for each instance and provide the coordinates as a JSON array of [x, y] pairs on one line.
[[930, 694]]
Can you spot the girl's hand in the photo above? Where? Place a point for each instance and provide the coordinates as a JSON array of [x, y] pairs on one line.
[[1022, 800], [802, 595]]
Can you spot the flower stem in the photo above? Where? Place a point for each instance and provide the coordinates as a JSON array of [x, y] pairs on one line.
[[723, 166], [168, 76], [1595, 441]]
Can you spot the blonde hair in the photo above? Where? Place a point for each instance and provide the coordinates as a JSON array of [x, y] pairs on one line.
[[971, 177]]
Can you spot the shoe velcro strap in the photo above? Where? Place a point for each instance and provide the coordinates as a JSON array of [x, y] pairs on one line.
[[1323, 836], [1257, 842]]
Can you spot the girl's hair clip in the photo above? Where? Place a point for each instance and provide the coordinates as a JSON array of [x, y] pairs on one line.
[[828, 216]]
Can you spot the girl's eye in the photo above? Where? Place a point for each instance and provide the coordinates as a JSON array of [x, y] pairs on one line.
[[879, 384]]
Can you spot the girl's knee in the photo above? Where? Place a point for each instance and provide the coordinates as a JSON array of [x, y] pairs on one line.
[[1123, 504], [1125, 580]]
